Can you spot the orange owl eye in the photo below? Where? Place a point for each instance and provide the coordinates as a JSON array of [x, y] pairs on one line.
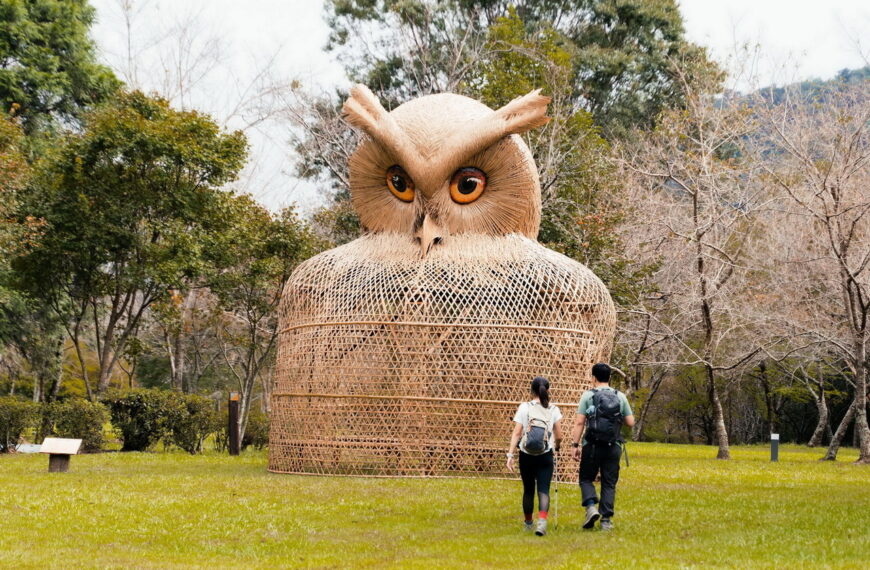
[[467, 185], [400, 184]]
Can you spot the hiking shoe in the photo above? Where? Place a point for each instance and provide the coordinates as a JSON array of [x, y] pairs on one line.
[[542, 527], [591, 516], [528, 525], [606, 524]]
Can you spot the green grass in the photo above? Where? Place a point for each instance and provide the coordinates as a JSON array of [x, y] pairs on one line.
[[676, 507]]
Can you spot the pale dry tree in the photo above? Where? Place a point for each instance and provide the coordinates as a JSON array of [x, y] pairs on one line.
[[694, 185], [818, 157]]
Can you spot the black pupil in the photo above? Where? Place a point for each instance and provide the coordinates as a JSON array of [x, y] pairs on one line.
[[398, 183], [467, 185]]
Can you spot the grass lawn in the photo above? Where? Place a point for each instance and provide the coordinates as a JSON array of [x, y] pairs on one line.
[[676, 507]]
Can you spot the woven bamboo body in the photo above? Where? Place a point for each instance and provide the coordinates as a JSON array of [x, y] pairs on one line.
[[393, 365]]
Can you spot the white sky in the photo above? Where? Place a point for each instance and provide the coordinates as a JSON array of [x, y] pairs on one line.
[[795, 39]]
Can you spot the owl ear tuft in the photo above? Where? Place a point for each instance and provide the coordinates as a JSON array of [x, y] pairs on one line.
[[363, 110], [525, 113]]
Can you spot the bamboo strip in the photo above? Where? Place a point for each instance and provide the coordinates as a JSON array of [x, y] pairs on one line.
[[413, 398], [437, 325]]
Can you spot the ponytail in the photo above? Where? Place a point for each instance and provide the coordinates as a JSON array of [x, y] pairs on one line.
[[541, 389]]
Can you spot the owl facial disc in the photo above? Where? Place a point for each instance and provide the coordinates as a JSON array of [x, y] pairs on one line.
[[445, 164]]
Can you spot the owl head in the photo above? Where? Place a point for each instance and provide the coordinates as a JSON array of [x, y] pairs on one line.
[[445, 164]]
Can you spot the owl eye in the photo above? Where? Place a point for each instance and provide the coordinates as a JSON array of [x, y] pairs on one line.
[[467, 185], [400, 184]]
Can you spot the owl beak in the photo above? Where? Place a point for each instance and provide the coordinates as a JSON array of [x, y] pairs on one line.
[[429, 234]]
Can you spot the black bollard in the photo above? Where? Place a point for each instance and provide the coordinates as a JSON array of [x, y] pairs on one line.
[[774, 447]]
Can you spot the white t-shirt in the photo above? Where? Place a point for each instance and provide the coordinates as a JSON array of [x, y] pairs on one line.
[[522, 418]]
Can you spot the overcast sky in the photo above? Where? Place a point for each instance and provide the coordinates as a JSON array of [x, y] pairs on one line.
[[796, 39]]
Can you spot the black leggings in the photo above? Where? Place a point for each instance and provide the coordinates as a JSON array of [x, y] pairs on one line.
[[536, 470]]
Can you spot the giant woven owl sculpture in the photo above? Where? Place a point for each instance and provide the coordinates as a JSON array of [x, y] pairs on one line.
[[406, 351]]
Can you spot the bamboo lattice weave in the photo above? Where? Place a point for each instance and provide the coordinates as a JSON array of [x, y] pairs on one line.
[[393, 365]]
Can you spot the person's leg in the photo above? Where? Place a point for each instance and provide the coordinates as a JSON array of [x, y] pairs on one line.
[[527, 474], [543, 477], [588, 472], [610, 456]]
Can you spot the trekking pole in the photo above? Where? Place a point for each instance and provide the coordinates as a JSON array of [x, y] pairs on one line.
[[556, 498]]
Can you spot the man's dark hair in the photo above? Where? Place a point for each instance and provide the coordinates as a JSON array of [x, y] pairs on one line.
[[601, 372]]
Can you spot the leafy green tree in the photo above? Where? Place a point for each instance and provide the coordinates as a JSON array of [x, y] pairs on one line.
[[256, 255], [580, 214], [126, 203], [48, 66], [406, 48]]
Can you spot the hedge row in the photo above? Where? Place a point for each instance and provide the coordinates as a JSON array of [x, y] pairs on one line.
[[140, 417]]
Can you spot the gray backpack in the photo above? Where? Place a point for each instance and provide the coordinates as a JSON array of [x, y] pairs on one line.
[[536, 439]]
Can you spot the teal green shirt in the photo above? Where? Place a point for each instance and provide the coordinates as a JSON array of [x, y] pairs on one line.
[[586, 407]]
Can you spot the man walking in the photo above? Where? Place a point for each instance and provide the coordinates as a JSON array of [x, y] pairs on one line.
[[602, 411]]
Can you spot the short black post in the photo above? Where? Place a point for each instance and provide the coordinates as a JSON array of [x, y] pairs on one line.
[[233, 427], [774, 447]]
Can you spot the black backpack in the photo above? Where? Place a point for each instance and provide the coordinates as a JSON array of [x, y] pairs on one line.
[[605, 421]]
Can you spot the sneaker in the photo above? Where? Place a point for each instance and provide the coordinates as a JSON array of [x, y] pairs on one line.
[[528, 525], [606, 524], [591, 516], [542, 527]]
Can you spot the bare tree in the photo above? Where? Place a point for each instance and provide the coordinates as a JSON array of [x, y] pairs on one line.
[[695, 183], [820, 161]]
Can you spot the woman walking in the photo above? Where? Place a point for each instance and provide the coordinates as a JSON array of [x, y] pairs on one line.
[[537, 433]]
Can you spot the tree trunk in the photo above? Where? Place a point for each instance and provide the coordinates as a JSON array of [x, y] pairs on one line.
[[38, 389], [105, 372], [834, 446], [55, 384], [861, 427], [637, 432], [83, 366], [689, 435], [769, 400], [177, 360], [266, 382], [718, 416], [819, 433]]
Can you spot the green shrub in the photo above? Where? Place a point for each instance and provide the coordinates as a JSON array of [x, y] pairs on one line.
[[76, 418], [257, 432], [190, 419], [16, 416], [140, 416]]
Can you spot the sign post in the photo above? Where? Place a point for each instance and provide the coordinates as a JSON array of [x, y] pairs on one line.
[[59, 450], [774, 447], [233, 427]]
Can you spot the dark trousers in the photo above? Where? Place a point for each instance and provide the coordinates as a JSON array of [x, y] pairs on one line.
[[602, 459], [536, 470]]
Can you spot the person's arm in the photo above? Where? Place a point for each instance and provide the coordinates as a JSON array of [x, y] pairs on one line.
[[628, 415], [577, 433], [515, 439], [557, 433]]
